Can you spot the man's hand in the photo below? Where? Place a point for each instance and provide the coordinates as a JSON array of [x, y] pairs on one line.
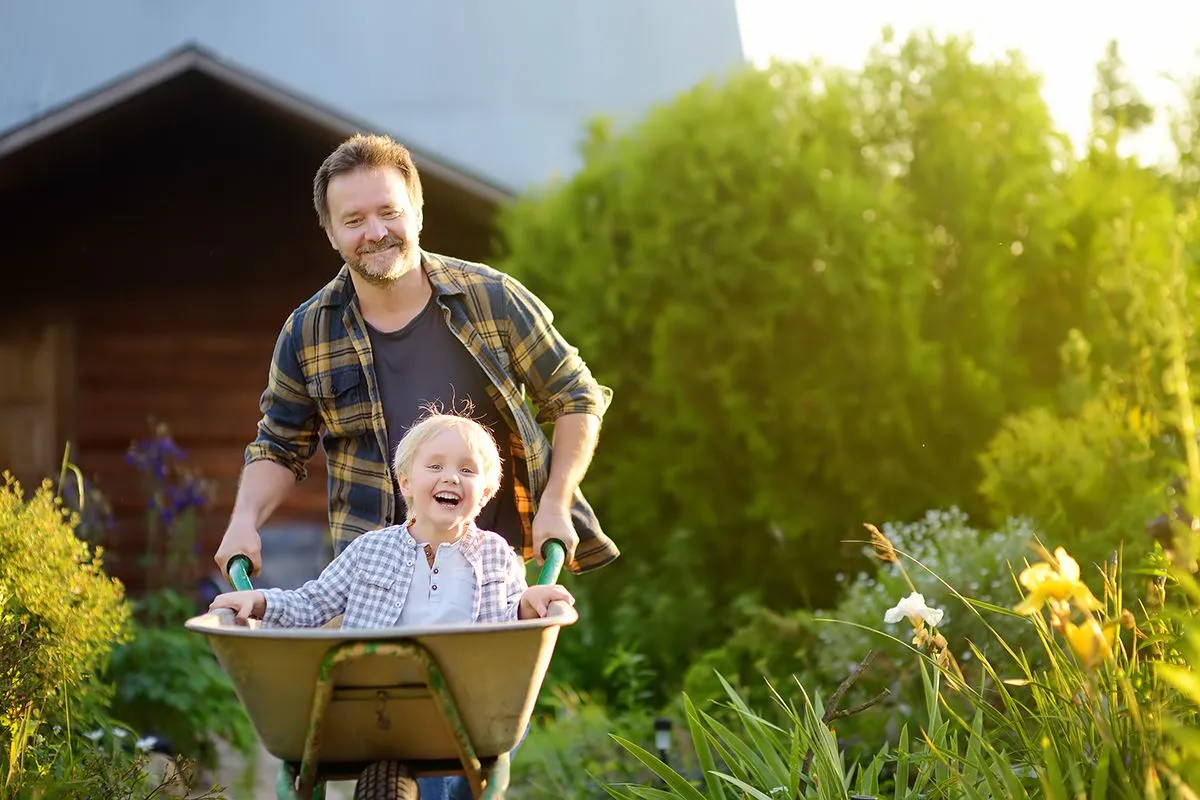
[[245, 604], [553, 521], [241, 538], [536, 600]]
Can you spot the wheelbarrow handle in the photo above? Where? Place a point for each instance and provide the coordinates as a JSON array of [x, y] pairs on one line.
[[239, 573], [554, 554]]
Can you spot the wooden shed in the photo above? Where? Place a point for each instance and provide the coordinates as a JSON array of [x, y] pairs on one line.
[[156, 235]]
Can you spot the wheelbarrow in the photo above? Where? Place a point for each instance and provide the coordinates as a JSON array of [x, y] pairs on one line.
[[388, 705]]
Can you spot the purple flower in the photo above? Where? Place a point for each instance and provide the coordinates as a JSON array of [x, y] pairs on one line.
[[154, 457], [187, 494]]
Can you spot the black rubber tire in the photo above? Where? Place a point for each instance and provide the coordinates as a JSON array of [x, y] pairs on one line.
[[386, 780]]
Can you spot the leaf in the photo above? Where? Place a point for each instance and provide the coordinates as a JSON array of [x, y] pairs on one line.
[[1100, 782], [1184, 679], [700, 739], [1052, 778], [669, 776], [745, 787]]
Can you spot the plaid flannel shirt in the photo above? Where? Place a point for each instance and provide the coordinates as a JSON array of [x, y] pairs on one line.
[[369, 582], [323, 376]]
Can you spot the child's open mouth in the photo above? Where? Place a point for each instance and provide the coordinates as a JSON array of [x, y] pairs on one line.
[[447, 500]]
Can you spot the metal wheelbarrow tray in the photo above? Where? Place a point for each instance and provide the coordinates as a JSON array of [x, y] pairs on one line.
[[452, 699]]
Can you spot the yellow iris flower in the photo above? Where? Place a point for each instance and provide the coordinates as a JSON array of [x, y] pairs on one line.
[[1058, 581], [1091, 642]]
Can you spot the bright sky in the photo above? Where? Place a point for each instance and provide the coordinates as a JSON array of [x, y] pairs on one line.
[[1060, 39]]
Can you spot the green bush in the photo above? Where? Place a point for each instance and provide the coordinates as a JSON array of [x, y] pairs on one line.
[[805, 645], [60, 618], [568, 754], [60, 615], [168, 681], [1091, 481], [112, 765], [1095, 465], [801, 284]]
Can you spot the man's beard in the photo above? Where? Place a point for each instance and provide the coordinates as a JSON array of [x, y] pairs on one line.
[[375, 274]]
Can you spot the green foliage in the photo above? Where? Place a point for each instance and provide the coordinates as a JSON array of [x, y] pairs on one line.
[[771, 647], [1182, 676], [114, 766], [1185, 134], [801, 284], [1117, 106], [1091, 480], [1093, 467], [568, 754], [752, 757], [59, 617], [168, 681], [1084, 718], [61, 612]]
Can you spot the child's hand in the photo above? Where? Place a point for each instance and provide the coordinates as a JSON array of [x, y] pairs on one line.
[[536, 600], [245, 604]]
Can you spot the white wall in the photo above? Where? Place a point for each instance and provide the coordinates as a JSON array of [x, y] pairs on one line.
[[501, 87]]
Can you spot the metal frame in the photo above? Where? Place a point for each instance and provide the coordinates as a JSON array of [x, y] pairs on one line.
[[485, 783]]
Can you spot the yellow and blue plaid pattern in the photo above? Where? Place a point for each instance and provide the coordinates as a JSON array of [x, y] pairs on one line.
[[323, 376]]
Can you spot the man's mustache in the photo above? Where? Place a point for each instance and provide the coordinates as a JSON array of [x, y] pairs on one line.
[[380, 246]]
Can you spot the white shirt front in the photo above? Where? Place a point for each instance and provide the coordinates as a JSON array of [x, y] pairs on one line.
[[442, 593]]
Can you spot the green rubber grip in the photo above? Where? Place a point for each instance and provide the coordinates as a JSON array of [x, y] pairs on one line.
[[555, 554], [239, 573]]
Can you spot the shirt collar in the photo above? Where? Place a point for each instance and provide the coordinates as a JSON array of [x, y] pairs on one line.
[[468, 545], [340, 291]]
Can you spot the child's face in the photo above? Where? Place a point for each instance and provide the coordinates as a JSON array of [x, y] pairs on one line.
[[447, 487]]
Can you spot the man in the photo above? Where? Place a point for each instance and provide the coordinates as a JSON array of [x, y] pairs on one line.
[[398, 330]]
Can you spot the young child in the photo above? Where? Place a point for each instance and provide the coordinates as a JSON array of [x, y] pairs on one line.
[[436, 568]]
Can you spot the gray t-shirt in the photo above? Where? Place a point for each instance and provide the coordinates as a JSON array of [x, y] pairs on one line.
[[422, 363]]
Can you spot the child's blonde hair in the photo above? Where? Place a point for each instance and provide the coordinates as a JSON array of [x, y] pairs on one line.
[[478, 438]]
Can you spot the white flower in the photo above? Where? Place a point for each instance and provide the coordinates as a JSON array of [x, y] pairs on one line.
[[913, 608], [120, 733], [95, 735], [145, 743]]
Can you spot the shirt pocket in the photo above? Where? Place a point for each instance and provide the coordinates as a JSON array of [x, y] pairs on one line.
[[373, 601], [492, 600], [458, 583], [340, 393]]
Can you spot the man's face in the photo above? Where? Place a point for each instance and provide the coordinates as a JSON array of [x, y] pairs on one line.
[[373, 225]]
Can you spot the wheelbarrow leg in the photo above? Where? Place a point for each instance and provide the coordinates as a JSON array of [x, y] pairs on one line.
[[285, 785], [497, 779]]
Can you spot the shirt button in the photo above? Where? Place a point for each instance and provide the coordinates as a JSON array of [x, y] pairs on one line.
[[410, 563], [434, 587], [435, 570]]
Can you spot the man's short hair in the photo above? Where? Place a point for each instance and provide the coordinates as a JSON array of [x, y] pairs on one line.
[[366, 152]]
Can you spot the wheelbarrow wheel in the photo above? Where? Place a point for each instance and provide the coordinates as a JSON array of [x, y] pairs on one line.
[[386, 780]]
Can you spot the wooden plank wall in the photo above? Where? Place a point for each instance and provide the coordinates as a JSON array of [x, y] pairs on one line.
[[197, 362]]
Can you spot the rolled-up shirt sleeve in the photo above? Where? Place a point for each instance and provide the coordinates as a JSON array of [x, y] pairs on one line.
[[552, 371], [290, 423]]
